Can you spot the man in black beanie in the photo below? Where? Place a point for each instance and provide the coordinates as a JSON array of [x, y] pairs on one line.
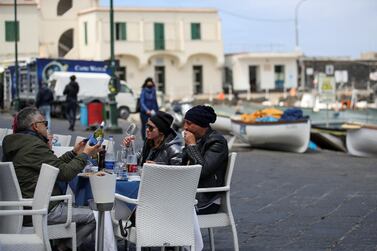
[[206, 147]]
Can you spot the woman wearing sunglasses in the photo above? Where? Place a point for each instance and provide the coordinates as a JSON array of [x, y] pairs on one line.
[[162, 145]]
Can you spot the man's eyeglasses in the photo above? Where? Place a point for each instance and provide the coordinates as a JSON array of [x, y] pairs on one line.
[[150, 127], [45, 122]]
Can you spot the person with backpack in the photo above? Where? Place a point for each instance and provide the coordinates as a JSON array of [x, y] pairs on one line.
[[71, 90], [44, 101]]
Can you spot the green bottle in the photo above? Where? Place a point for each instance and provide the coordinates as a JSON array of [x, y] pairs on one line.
[[98, 135]]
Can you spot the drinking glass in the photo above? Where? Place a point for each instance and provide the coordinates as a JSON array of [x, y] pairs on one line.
[[121, 164], [130, 131]]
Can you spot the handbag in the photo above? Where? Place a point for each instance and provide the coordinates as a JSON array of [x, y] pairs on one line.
[[130, 222]]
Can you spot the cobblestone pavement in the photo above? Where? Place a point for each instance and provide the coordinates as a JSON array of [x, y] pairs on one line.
[[283, 201]]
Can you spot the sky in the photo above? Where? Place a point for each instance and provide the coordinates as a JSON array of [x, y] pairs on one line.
[[326, 27]]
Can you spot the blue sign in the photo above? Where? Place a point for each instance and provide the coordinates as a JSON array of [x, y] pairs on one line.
[[45, 67]]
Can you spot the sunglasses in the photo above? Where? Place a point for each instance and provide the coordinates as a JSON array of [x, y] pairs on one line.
[[45, 122], [150, 127]]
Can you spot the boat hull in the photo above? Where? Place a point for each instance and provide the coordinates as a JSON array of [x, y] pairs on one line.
[[290, 136], [362, 142], [223, 124]]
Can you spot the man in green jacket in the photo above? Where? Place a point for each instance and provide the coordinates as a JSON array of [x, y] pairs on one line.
[[29, 147]]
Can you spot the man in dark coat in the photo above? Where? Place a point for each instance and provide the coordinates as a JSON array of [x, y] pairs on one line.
[[208, 148], [44, 101], [71, 90], [28, 148]]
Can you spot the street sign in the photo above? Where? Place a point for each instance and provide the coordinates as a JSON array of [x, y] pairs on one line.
[[329, 69], [326, 89], [341, 76], [373, 76]]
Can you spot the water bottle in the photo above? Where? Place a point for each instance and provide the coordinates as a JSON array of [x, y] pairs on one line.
[[110, 156]]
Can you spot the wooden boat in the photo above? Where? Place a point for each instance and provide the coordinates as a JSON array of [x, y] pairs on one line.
[[223, 124], [361, 139], [330, 136], [290, 136]]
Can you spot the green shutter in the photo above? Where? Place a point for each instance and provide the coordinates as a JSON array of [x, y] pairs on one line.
[[124, 31], [86, 33], [195, 31], [120, 31], [11, 30], [159, 36]]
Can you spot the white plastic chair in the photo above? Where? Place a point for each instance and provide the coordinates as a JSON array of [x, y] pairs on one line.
[[224, 217], [60, 150], [165, 204], [61, 140], [10, 191], [4, 132], [39, 239]]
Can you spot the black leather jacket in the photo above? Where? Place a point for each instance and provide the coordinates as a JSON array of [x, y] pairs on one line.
[[169, 153], [211, 152]]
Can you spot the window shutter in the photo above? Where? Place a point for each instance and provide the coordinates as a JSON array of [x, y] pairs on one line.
[[195, 31], [10, 31]]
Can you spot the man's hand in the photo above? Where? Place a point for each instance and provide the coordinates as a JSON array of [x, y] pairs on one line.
[[79, 147], [189, 138], [50, 137], [91, 150]]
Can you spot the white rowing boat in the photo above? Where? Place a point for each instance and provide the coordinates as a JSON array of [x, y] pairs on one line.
[[223, 124], [361, 140], [290, 136]]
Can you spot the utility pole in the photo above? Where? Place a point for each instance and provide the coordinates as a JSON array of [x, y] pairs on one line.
[[17, 98], [297, 45], [113, 82], [296, 23]]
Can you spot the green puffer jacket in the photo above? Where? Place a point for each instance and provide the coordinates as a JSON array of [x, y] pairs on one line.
[[28, 152]]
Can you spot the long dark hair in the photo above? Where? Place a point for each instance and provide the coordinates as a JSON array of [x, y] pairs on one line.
[[146, 81]]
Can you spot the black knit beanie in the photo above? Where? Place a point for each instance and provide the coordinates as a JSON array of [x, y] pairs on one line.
[[163, 121], [201, 115]]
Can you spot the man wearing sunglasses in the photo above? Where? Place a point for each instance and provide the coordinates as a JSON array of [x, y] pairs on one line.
[[28, 148]]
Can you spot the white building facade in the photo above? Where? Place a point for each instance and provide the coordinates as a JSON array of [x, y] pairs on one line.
[[256, 72], [181, 49]]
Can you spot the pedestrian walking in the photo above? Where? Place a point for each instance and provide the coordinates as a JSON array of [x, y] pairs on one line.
[[44, 101], [148, 103], [71, 90]]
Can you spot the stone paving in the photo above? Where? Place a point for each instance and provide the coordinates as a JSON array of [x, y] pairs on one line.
[[284, 201]]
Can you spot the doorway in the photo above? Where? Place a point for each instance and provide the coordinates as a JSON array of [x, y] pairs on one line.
[[159, 72], [253, 77], [198, 79], [279, 77]]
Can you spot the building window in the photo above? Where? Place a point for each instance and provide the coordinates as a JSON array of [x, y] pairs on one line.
[[159, 73], [120, 31], [86, 33], [195, 31], [121, 73], [65, 43], [159, 36], [279, 77], [11, 30], [198, 79], [64, 6]]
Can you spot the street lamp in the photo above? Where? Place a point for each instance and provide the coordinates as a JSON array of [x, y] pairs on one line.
[[17, 99], [296, 23], [113, 82], [301, 63]]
